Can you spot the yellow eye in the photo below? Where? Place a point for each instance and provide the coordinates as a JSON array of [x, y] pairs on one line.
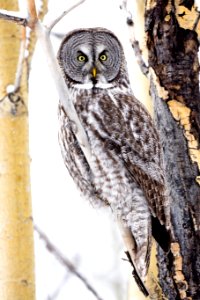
[[103, 57], [81, 58]]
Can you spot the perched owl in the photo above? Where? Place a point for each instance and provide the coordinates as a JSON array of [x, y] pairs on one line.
[[127, 173]]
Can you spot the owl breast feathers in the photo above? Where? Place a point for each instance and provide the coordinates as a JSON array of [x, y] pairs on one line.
[[127, 172]]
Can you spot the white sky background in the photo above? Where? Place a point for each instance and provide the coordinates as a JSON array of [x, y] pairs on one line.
[[89, 238]]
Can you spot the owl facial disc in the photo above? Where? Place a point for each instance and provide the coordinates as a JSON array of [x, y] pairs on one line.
[[91, 58]]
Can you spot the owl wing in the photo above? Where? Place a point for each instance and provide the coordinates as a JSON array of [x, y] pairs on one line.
[[131, 129], [153, 189], [75, 161], [157, 200]]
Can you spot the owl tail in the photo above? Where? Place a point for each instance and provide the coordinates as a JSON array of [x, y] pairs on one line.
[[131, 246], [137, 277]]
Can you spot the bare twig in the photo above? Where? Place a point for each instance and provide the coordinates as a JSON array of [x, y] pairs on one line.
[[55, 294], [58, 35], [63, 92], [54, 22], [65, 262], [44, 37], [18, 75], [24, 41], [13, 88], [32, 13], [13, 16], [43, 33]]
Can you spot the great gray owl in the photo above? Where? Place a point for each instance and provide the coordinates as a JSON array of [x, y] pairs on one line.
[[128, 172]]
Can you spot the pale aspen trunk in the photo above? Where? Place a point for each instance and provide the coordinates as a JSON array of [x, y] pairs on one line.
[[16, 226]]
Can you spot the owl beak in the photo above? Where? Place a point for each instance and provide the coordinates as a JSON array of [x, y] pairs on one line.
[[94, 72]]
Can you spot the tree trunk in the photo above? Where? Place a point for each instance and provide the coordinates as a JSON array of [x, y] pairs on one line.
[[174, 85], [16, 226]]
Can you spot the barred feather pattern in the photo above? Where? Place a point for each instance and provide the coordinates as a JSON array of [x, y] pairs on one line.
[[127, 172], [126, 155]]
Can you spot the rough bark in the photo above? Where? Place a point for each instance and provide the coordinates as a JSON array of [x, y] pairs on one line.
[[173, 49]]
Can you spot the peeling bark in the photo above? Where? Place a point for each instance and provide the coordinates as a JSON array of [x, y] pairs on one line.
[[173, 57]]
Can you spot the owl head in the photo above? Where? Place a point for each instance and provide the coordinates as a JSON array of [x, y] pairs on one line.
[[92, 58]]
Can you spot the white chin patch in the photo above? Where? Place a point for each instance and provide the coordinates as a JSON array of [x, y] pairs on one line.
[[101, 85], [84, 86], [90, 85]]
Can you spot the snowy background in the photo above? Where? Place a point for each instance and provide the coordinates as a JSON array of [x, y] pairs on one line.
[[87, 237]]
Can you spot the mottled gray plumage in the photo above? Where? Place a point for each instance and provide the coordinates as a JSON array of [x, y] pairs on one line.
[[128, 173]]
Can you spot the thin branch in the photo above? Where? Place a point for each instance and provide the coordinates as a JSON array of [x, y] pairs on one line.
[[63, 92], [65, 262], [56, 293], [32, 13], [13, 16], [18, 75], [43, 35], [54, 22], [58, 35]]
